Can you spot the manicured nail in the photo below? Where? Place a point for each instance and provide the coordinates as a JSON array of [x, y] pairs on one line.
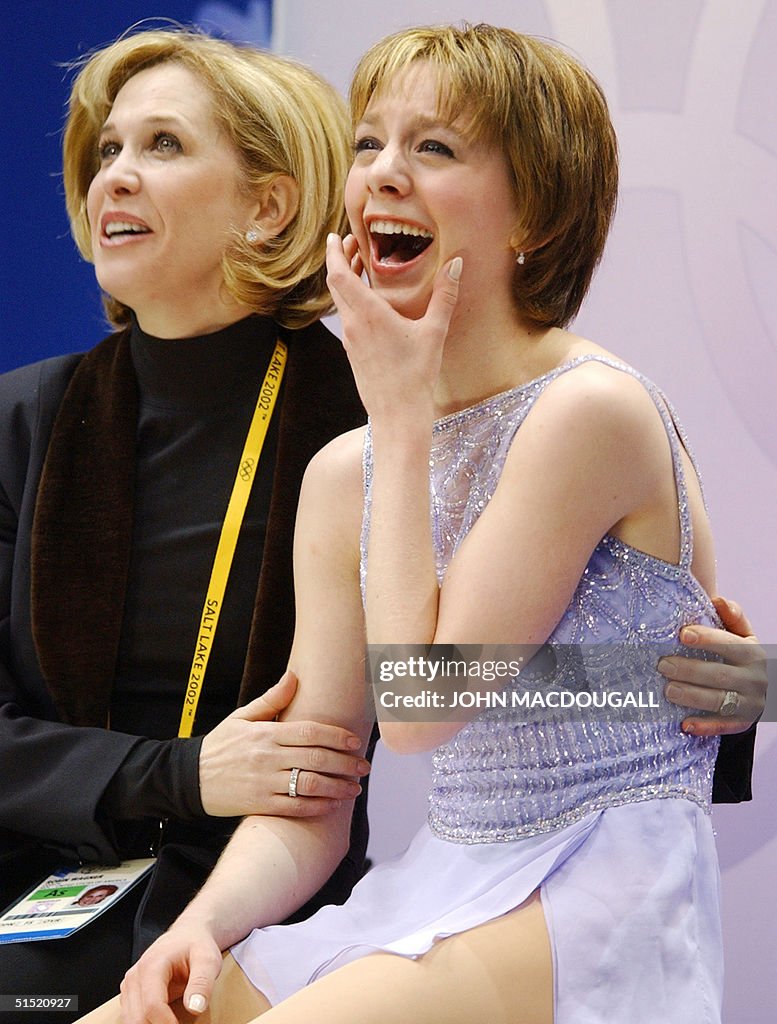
[[353, 742], [454, 270], [197, 1003], [332, 236], [689, 635]]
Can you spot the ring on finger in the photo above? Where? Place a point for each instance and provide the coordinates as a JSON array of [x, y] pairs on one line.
[[729, 704], [293, 777]]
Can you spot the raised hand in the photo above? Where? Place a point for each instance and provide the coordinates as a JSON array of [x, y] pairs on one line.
[[395, 360]]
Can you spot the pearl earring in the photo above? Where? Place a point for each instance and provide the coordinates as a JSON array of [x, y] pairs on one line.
[[520, 258], [252, 235]]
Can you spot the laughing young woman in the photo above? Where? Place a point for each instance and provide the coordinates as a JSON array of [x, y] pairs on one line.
[[516, 485]]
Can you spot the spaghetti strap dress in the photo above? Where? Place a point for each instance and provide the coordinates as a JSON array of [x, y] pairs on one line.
[[607, 814]]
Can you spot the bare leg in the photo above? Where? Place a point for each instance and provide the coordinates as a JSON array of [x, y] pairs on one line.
[[500, 972]]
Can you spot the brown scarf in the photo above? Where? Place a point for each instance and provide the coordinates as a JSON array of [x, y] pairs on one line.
[[82, 530]]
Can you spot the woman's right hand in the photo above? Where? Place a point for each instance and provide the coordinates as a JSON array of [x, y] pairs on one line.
[[246, 761]]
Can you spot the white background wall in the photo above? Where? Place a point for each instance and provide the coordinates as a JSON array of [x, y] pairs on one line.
[[688, 293]]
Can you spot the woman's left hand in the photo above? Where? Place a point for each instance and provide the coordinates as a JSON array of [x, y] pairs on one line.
[[395, 360], [707, 685]]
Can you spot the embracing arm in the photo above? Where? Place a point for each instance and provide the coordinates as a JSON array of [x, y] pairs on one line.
[[702, 684], [272, 865]]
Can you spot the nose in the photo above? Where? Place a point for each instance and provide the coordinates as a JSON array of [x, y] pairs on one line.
[[120, 176], [388, 172]]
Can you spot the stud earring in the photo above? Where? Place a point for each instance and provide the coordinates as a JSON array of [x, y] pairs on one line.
[[252, 235], [520, 258]]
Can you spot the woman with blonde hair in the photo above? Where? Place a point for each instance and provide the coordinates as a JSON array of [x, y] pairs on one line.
[[146, 613], [516, 486]]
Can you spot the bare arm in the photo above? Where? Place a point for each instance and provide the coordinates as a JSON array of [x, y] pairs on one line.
[[591, 458], [273, 865]]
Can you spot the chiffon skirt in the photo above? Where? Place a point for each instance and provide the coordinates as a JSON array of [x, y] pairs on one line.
[[630, 895]]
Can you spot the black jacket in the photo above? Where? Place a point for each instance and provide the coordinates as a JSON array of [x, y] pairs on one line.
[[56, 758]]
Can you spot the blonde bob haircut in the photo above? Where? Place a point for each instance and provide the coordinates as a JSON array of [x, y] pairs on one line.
[[549, 117], [281, 118]]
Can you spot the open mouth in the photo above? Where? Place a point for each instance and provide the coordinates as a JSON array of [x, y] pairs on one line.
[[395, 243], [120, 228]]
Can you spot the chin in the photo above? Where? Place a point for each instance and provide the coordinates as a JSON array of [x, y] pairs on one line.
[[413, 307]]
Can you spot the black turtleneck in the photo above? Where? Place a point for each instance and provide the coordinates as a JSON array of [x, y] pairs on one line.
[[197, 396]]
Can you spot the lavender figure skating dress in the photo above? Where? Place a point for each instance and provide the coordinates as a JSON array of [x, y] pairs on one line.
[[610, 819]]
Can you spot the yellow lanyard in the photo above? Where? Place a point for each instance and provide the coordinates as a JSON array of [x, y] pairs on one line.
[[222, 563]]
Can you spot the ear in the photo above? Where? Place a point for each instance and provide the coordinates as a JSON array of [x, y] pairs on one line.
[[278, 206]]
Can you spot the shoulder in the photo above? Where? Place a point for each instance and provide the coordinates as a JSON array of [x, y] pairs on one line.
[[30, 381], [337, 468], [593, 431], [596, 401], [30, 395]]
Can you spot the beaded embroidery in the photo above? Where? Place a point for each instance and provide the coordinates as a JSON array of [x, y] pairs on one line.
[[502, 778]]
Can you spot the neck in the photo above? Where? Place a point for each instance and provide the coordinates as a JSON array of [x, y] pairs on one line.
[[487, 360], [169, 323]]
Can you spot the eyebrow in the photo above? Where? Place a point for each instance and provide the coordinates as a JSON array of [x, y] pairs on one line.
[[151, 120], [421, 122]]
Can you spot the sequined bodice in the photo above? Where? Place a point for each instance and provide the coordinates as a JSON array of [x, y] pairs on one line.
[[508, 775]]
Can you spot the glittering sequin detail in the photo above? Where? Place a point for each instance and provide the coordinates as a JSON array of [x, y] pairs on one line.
[[501, 778]]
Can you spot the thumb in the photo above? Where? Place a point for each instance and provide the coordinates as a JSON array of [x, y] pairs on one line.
[[445, 294], [204, 969], [272, 702]]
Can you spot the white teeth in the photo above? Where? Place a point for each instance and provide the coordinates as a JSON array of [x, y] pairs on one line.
[[119, 226], [391, 227]]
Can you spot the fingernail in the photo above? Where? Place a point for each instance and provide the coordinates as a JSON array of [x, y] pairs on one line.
[[197, 1003], [332, 236], [353, 743], [688, 728], [689, 635], [454, 270], [364, 767]]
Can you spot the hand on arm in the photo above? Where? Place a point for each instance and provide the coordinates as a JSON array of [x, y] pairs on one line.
[[702, 684], [246, 760]]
